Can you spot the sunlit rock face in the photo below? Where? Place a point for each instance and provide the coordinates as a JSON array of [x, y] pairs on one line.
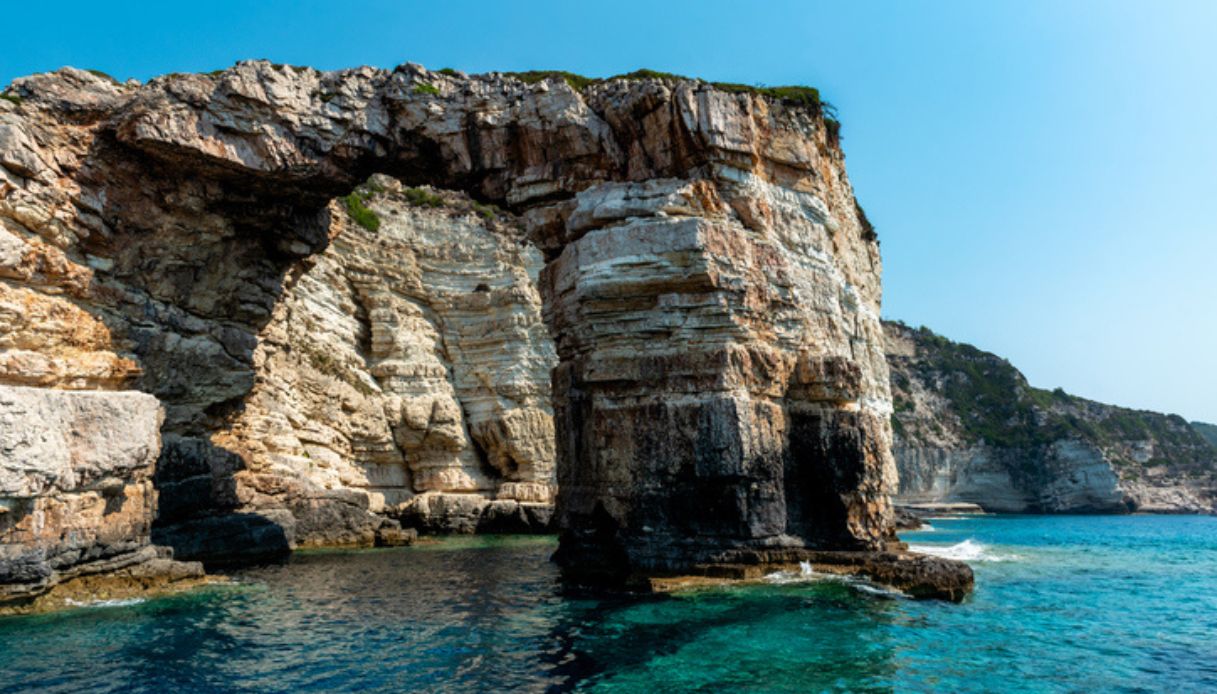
[[676, 308], [410, 360], [76, 495], [720, 385]]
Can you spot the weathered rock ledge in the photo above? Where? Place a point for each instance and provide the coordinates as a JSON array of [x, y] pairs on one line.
[[76, 497], [918, 576]]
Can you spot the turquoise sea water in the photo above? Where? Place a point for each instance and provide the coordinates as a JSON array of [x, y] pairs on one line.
[[1070, 604]]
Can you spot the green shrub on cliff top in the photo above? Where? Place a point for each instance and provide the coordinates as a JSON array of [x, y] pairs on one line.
[[103, 75], [645, 74], [833, 126], [576, 82], [791, 94]]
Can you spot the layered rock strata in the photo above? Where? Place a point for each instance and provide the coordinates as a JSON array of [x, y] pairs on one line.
[[720, 387], [76, 495], [970, 429], [710, 284], [403, 377]]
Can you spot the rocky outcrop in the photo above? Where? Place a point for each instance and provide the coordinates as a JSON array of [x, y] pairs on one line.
[[914, 575], [76, 495], [710, 285], [969, 428]]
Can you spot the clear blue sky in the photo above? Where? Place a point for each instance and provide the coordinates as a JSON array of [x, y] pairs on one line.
[[1043, 175]]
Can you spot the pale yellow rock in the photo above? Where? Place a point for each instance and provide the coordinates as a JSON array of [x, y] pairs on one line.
[[406, 360]]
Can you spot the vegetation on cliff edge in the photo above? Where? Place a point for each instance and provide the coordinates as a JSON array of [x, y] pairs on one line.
[[996, 405], [798, 95]]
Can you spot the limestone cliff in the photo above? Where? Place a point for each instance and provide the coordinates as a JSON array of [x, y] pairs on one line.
[[336, 358], [969, 428]]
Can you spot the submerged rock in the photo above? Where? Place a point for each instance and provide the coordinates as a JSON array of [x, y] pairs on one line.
[[914, 575]]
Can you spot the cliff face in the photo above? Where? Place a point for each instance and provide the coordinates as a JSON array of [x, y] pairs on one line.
[[332, 366], [969, 428]]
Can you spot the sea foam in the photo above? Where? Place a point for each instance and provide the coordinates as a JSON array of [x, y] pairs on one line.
[[807, 574], [968, 550], [125, 602]]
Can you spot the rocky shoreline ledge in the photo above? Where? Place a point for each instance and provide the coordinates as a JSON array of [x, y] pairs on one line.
[[917, 576], [145, 574]]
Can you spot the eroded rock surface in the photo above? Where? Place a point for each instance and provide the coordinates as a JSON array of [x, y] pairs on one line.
[[970, 429], [399, 365], [76, 495], [710, 285], [721, 384]]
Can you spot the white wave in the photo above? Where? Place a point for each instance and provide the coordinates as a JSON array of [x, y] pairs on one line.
[[125, 602], [807, 574], [877, 590], [968, 550]]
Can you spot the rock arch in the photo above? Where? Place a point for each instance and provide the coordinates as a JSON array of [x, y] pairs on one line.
[[710, 284]]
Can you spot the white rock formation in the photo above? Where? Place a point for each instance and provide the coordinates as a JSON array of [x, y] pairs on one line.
[[76, 494]]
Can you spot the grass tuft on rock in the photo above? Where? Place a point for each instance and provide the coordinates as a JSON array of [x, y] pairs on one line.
[[833, 126], [868, 229], [488, 212], [421, 197], [424, 88], [104, 75], [12, 98], [359, 212]]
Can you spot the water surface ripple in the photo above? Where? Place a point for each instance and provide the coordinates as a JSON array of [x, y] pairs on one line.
[[1062, 604]]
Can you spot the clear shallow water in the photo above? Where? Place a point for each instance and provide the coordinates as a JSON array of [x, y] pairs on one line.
[[1061, 604]]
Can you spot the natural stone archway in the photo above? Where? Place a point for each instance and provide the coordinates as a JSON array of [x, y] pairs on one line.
[[710, 284]]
